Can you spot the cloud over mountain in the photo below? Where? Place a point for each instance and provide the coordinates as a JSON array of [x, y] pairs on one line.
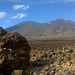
[[19, 15], [2, 14], [7, 21], [16, 7]]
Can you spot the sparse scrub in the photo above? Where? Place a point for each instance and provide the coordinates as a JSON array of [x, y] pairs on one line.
[[34, 50]]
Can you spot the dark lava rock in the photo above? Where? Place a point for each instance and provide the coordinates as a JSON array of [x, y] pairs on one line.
[[14, 52], [2, 31]]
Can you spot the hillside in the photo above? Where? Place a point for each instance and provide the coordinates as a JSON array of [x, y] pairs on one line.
[[57, 29]]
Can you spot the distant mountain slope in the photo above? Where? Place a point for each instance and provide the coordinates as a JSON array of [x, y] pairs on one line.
[[57, 29]]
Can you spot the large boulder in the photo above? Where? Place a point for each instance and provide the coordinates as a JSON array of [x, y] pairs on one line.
[[14, 52], [2, 31]]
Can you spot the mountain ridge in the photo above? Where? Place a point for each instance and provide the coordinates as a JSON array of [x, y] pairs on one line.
[[59, 28]]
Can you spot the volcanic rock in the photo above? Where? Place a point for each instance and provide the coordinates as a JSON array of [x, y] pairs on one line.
[[2, 31], [14, 52]]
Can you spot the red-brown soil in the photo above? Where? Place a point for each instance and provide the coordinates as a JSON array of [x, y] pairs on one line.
[[50, 44]]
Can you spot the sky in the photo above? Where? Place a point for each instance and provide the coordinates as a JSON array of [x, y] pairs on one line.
[[13, 12]]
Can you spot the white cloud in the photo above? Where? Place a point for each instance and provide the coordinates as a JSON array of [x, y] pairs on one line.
[[22, 15], [2, 14], [16, 7], [7, 21], [19, 15]]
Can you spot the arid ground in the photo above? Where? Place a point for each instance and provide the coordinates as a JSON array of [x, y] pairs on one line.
[[52, 57], [50, 44]]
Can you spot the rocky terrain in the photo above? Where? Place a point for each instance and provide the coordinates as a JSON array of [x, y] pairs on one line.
[[14, 53], [17, 59], [53, 62]]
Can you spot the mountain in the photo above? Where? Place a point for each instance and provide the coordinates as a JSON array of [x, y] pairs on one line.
[[57, 29]]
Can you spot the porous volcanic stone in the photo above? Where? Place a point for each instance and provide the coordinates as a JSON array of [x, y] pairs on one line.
[[14, 52], [2, 31]]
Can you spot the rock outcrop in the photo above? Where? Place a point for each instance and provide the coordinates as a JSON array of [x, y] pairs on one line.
[[2, 31], [14, 52]]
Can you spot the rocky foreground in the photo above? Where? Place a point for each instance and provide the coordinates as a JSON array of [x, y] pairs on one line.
[[53, 62], [14, 53], [16, 58]]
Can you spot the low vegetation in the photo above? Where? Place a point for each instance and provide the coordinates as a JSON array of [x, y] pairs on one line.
[[34, 50]]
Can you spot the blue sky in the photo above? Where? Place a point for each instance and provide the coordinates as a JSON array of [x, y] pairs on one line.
[[13, 12]]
